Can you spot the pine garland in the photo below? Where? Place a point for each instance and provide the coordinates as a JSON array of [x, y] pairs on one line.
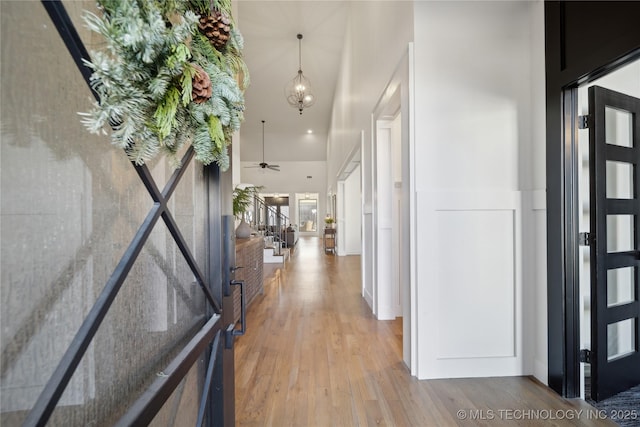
[[151, 84]]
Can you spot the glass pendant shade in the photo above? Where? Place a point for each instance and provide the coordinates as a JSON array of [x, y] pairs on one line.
[[299, 94], [298, 91]]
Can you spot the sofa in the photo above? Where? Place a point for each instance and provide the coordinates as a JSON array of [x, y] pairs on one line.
[[289, 237]]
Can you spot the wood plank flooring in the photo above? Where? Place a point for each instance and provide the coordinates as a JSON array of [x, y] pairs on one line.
[[314, 355]]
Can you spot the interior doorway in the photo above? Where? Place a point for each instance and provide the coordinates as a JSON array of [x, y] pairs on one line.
[[617, 340], [387, 214], [307, 213], [611, 34]]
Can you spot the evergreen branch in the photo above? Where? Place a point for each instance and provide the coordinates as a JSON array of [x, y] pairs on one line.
[[200, 6], [179, 55], [144, 80], [216, 133], [145, 148], [188, 74], [159, 85], [223, 6], [205, 52], [202, 145], [166, 112]]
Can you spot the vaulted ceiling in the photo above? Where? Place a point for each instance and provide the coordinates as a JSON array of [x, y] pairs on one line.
[[269, 29]]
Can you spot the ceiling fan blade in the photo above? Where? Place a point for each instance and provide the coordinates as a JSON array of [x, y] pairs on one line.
[[251, 167], [274, 168]]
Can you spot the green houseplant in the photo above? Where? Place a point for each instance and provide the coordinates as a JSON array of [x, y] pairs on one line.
[[329, 221], [242, 199]]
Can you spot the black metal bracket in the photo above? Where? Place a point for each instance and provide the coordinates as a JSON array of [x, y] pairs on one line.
[[586, 239], [583, 122], [229, 336], [585, 356]]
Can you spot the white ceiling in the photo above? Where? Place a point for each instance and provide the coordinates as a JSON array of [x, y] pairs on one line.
[[269, 29]]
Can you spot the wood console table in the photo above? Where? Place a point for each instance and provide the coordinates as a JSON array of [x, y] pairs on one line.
[[329, 240], [249, 255]]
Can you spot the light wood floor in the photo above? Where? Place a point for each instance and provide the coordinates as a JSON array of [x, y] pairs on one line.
[[314, 355]]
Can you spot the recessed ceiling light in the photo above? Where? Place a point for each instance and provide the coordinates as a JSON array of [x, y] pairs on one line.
[[309, 131]]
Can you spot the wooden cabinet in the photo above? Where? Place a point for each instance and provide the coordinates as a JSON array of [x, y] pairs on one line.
[[249, 254]]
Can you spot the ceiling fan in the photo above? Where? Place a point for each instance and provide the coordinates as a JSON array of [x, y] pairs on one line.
[[264, 165]]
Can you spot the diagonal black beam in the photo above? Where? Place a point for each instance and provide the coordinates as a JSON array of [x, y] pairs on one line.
[[145, 176], [78, 51], [186, 252], [173, 182], [173, 228], [146, 407], [206, 389], [52, 391], [47, 401], [15, 345], [69, 35]]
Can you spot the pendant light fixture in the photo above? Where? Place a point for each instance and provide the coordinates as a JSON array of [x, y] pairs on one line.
[[298, 91]]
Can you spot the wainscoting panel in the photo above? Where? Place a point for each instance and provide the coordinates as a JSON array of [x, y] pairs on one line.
[[470, 284], [476, 267]]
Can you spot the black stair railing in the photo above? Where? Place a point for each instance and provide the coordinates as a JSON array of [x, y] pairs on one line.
[[271, 223]]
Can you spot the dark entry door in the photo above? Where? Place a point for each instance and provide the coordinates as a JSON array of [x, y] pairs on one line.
[[614, 146]]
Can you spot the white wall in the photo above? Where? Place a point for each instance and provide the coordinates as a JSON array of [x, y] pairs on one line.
[[479, 155], [479, 137], [369, 59]]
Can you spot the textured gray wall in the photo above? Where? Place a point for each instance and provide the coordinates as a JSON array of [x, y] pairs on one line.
[[70, 205]]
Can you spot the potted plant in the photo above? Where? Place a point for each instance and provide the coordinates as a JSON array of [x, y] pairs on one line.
[[329, 222], [243, 196]]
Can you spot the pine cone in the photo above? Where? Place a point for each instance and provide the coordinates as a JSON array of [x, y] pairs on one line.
[[216, 27], [202, 90]]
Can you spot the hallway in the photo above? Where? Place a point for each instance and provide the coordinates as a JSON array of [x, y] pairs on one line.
[[314, 355]]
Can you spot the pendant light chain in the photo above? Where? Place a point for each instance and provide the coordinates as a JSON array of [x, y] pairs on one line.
[[300, 53]]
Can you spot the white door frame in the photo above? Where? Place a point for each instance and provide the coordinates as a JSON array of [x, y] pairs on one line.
[[397, 98], [344, 227]]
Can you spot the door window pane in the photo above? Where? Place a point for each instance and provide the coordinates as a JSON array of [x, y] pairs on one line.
[[620, 233], [621, 339], [308, 214], [618, 127], [619, 180], [620, 286]]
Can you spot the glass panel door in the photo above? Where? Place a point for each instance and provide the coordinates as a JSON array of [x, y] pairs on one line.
[[614, 159], [308, 214]]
